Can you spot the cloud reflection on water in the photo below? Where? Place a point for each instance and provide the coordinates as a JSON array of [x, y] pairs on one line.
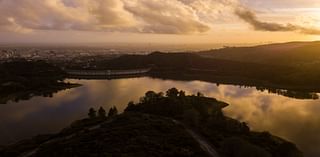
[[293, 119]]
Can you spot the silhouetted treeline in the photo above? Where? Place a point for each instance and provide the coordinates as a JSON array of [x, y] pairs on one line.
[[21, 79], [113, 111]]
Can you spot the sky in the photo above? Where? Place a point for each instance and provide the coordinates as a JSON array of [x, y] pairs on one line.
[[159, 21]]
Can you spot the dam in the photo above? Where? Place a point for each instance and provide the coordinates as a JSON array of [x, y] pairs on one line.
[[107, 72]]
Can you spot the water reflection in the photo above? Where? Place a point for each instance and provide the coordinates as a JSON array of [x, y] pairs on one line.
[[291, 93], [293, 119]]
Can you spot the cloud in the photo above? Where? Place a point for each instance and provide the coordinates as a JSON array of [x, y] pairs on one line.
[[93, 15], [169, 16], [251, 18], [153, 16], [139, 16]]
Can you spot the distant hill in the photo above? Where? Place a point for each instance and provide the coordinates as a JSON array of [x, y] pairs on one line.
[[292, 54], [227, 66], [184, 61], [21, 80], [194, 66]]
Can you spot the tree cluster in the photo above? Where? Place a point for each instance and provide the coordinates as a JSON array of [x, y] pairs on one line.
[[113, 111], [205, 115]]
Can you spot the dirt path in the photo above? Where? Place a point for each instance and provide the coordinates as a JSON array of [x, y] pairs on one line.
[[205, 145]]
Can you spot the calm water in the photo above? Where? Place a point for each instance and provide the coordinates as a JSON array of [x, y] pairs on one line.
[[292, 119]]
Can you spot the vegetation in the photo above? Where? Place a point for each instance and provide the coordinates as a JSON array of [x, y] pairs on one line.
[[113, 111], [21, 79], [127, 135], [303, 57], [231, 137], [92, 113], [102, 112], [290, 54], [301, 81]]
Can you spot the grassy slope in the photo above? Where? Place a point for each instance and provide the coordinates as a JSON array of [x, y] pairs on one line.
[[126, 135], [290, 54]]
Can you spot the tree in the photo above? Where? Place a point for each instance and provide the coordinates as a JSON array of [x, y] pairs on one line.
[[160, 95], [151, 96], [200, 94], [102, 112], [173, 92], [92, 113], [182, 93], [113, 111], [130, 107]]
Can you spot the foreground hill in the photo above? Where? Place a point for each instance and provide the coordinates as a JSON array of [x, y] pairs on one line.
[[127, 135], [171, 125]]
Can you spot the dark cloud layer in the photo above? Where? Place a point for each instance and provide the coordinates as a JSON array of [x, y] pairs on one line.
[[251, 18]]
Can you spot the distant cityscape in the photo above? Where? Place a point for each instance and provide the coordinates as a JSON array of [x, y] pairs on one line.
[[72, 52], [31, 54]]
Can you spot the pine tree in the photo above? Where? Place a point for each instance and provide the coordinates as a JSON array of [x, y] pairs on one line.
[[113, 111], [92, 113], [101, 112]]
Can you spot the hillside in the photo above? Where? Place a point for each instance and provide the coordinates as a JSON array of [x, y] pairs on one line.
[[290, 54], [21, 80], [272, 67], [188, 66], [131, 135]]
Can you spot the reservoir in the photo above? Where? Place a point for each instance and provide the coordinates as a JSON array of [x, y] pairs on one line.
[[296, 120]]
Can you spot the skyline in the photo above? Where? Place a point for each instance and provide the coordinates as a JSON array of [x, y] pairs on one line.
[[148, 21]]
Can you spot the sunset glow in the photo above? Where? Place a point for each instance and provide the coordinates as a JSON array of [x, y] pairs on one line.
[[168, 21], [164, 78]]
